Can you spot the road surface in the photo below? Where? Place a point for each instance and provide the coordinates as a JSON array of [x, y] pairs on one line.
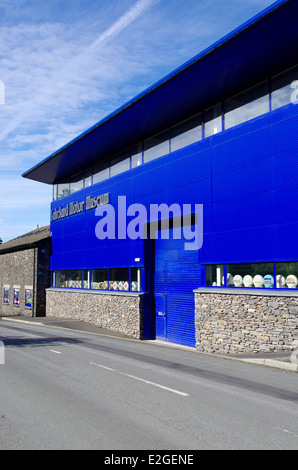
[[65, 389]]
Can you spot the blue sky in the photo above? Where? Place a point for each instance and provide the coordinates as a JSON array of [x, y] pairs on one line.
[[66, 64]]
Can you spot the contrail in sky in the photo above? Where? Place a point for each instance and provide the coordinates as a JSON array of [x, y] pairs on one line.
[[125, 20], [119, 25]]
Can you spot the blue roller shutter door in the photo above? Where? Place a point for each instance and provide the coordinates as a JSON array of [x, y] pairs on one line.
[[177, 274]]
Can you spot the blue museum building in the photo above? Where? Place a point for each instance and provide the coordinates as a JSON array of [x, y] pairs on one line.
[[175, 218]]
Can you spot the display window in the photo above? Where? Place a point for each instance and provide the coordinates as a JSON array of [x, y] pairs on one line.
[[214, 275], [99, 279], [122, 279], [86, 279], [16, 296], [250, 275], [6, 295], [286, 275], [28, 298], [119, 279], [135, 279], [253, 275], [75, 279], [61, 279]]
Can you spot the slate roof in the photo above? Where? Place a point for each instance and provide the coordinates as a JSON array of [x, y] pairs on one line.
[[28, 240]]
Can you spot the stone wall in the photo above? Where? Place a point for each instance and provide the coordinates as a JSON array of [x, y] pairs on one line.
[[228, 321], [17, 270], [25, 269], [117, 312]]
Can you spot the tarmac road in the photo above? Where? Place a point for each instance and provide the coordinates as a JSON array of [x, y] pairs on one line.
[[71, 389]]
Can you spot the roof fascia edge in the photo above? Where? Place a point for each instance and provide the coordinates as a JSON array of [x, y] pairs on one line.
[[270, 10]]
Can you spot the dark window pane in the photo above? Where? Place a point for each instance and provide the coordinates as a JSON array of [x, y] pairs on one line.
[[118, 279], [135, 279], [86, 273], [99, 279], [74, 279], [215, 275], [61, 279]]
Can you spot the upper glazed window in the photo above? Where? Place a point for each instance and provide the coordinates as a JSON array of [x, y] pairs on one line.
[[247, 105], [76, 183], [120, 164], [136, 155], [212, 120], [101, 172], [63, 190], [282, 91], [186, 133], [156, 146]]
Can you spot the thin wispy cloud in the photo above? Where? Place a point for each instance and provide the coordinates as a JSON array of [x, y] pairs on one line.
[[65, 67], [70, 70], [131, 15]]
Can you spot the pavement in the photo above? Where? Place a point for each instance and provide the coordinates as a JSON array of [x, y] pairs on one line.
[[280, 360]]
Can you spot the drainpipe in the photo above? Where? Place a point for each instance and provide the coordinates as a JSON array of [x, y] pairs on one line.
[[34, 284]]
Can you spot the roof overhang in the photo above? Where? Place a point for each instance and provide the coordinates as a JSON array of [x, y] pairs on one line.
[[258, 48], [28, 240]]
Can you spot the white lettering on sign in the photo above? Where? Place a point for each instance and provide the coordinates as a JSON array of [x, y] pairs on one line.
[[93, 202], [78, 207]]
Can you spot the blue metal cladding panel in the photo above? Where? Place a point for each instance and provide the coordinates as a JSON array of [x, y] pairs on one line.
[[182, 178], [255, 184], [177, 274], [246, 178]]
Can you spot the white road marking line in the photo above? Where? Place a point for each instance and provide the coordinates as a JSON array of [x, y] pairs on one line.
[[163, 387], [56, 352], [286, 431], [103, 367]]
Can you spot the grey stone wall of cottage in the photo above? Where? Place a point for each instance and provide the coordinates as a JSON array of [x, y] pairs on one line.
[[17, 270], [25, 269], [232, 321]]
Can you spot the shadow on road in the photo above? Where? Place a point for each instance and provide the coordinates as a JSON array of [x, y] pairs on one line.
[[34, 342]]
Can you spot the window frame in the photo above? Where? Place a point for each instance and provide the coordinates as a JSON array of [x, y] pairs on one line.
[[137, 153], [274, 273], [140, 288]]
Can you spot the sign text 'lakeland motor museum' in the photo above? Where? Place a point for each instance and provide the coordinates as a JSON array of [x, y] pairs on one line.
[[78, 207]]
